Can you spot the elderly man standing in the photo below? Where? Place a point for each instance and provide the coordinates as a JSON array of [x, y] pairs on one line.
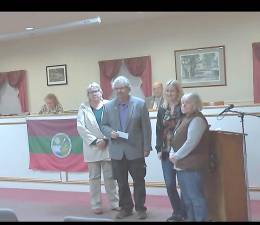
[[155, 101], [127, 125]]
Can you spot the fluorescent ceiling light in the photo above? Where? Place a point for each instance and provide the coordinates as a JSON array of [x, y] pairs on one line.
[[29, 28], [34, 31]]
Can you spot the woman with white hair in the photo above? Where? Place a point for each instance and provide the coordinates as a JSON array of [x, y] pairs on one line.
[[95, 148], [189, 153], [167, 117]]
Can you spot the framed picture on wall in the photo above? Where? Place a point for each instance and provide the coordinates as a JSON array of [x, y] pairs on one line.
[[201, 67], [56, 75]]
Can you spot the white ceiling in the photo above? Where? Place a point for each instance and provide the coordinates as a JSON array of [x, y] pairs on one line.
[[12, 22]]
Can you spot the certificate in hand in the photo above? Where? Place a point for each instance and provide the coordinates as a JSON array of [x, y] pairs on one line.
[[122, 134]]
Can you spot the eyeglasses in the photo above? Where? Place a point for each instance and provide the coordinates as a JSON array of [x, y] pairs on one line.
[[119, 88], [94, 91]]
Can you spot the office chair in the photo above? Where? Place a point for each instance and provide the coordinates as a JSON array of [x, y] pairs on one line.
[[8, 215]]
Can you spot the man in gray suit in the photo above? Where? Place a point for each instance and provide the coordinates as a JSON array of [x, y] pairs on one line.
[[156, 100], [127, 124]]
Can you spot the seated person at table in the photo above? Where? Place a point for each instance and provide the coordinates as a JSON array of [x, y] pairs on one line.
[[51, 106], [155, 101]]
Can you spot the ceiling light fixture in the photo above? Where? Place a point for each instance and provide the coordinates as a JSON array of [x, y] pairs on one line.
[[29, 28], [34, 31]]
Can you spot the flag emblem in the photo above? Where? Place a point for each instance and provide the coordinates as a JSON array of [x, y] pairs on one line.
[[61, 145]]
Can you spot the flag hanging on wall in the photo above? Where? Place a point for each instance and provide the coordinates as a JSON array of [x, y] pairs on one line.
[[55, 145]]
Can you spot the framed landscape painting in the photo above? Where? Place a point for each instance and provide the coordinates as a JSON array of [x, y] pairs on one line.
[[201, 67]]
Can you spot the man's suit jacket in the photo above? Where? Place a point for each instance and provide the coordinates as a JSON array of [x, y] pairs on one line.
[[138, 128], [89, 130], [150, 101]]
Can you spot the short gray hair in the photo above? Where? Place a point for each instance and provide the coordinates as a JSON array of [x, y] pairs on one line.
[[121, 81], [92, 86], [195, 100]]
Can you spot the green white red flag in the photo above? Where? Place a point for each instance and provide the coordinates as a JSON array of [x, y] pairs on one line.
[[55, 145]]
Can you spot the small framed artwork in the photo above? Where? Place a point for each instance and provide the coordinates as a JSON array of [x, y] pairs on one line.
[[201, 67], [56, 75]]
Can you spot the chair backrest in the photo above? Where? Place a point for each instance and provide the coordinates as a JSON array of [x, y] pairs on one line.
[[213, 103], [85, 219], [8, 215]]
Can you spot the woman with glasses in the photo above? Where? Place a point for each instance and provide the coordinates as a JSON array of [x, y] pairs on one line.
[[95, 149]]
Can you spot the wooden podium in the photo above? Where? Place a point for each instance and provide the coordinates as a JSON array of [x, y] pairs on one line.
[[225, 184]]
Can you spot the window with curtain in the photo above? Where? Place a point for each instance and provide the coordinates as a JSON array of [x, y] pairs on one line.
[[13, 92], [140, 74], [256, 71]]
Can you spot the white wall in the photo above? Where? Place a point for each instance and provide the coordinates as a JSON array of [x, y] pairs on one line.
[[82, 49]]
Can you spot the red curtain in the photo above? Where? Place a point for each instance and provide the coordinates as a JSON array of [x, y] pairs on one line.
[[256, 71], [17, 79], [108, 69], [141, 67]]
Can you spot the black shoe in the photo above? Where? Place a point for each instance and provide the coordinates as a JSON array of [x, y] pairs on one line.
[[175, 218], [123, 213]]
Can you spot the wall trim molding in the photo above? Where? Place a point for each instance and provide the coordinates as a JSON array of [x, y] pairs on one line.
[[78, 182], [32, 180], [13, 123], [151, 117]]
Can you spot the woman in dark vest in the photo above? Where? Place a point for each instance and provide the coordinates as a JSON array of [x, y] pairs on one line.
[[168, 115], [189, 154]]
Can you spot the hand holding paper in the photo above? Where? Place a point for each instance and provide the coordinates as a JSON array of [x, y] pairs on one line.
[[122, 134]]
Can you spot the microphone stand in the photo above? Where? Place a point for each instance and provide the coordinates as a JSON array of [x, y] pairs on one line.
[[242, 115]]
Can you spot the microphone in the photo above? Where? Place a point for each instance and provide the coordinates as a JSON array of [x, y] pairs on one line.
[[231, 106]]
